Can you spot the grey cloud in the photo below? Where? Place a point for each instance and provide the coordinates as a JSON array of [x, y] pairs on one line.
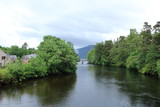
[[82, 22]]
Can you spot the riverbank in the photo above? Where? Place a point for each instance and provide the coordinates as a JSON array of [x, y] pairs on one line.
[[137, 50], [7, 77], [54, 56]]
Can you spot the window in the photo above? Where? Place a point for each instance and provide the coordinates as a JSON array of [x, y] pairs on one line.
[[3, 57]]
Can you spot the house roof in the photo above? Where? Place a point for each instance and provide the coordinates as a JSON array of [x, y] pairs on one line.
[[2, 52], [12, 56], [29, 56]]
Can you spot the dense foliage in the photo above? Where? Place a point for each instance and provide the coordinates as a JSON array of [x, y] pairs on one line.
[[58, 55], [18, 51], [19, 71], [139, 51], [54, 56]]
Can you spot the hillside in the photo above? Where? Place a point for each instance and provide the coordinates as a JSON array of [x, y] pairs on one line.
[[82, 52]]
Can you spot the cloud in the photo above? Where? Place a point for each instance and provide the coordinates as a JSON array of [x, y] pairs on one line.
[[82, 22]]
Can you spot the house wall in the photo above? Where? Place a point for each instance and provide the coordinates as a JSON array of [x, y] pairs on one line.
[[3, 61], [8, 60], [25, 61]]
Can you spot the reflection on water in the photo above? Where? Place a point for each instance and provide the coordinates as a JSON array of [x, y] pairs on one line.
[[141, 90], [92, 86], [41, 92]]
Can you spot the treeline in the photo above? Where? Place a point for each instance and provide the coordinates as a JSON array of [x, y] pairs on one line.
[[18, 51], [138, 51], [54, 56]]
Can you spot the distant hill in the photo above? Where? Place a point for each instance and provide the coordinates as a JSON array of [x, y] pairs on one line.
[[82, 52]]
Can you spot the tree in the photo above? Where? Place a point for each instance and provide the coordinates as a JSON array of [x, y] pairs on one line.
[[19, 52], [146, 34], [59, 57], [138, 51], [98, 53], [157, 27], [15, 50], [70, 44], [91, 56], [107, 46], [133, 42], [119, 52]]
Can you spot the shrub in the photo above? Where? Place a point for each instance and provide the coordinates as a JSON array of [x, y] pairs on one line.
[[35, 68], [5, 76], [158, 67]]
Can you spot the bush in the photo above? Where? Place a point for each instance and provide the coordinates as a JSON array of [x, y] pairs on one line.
[[149, 68], [158, 67], [35, 68], [5, 76], [38, 67], [131, 62], [16, 69]]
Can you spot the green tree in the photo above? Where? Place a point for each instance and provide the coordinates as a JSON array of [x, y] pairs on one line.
[[157, 27], [133, 42], [91, 56], [138, 51], [105, 59], [70, 44], [60, 58], [146, 34], [15, 50], [119, 52], [98, 53]]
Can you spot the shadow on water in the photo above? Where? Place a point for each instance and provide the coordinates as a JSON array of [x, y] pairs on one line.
[[142, 90], [47, 91]]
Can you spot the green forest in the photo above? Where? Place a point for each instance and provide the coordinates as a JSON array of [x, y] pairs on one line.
[[54, 57], [137, 51]]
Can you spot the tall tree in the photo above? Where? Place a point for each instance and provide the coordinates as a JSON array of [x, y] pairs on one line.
[[119, 52], [105, 59], [157, 27], [146, 34]]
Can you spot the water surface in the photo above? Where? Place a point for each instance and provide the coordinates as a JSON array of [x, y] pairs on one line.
[[91, 86]]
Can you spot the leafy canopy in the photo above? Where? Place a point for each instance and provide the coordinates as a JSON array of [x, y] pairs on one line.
[[58, 55]]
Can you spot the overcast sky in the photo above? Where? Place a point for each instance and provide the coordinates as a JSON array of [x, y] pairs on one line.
[[83, 22]]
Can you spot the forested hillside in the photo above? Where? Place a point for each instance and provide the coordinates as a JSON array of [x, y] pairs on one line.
[[82, 52]]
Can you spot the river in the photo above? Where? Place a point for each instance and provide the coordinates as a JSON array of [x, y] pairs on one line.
[[91, 86]]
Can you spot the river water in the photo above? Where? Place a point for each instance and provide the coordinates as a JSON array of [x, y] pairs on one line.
[[91, 86]]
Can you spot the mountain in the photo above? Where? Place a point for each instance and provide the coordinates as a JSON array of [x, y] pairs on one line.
[[82, 52]]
